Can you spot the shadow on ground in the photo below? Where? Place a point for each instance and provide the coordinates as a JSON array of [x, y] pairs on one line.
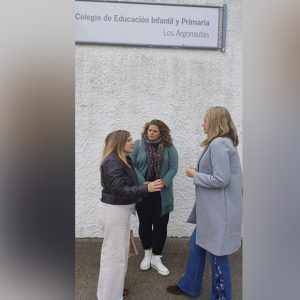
[[147, 285]]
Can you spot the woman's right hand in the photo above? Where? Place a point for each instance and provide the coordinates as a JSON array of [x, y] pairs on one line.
[[155, 186], [190, 171]]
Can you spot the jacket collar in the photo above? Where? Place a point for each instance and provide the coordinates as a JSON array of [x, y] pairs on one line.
[[200, 156]]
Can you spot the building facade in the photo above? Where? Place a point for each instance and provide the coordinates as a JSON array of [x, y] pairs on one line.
[[122, 87]]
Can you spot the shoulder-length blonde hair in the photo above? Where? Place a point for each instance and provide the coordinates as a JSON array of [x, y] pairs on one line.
[[220, 124], [114, 144], [164, 130]]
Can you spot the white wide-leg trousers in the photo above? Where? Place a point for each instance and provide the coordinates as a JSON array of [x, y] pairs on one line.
[[114, 253]]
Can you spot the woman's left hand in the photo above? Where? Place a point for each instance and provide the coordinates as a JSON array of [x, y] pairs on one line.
[[190, 171], [162, 182]]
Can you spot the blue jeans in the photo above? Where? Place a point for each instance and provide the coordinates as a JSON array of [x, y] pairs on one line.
[[191, 281]]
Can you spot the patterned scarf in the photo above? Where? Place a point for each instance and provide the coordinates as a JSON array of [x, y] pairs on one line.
[[154, 157]]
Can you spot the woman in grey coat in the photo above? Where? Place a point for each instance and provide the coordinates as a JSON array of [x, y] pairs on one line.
[[217, 211]]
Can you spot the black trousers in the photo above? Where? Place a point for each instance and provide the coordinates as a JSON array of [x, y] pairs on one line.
[[153, 226]]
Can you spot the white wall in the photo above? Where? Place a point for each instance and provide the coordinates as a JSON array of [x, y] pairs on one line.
[[123, 87]]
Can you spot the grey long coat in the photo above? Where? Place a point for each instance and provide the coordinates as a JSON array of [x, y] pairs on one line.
[[217, 211]]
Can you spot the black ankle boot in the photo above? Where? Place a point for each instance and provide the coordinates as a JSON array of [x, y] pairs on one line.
[[174, 290]]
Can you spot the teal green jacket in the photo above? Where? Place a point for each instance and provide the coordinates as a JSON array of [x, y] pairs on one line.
[[169, 169]]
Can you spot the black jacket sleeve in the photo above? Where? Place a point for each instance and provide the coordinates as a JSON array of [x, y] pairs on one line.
[[115, 177]]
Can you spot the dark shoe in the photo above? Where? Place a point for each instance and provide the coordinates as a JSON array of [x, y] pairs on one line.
[[174, 289], [125, 292]]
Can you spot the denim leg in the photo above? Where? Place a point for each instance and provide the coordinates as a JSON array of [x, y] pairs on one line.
[[191, 281], [221, 279]]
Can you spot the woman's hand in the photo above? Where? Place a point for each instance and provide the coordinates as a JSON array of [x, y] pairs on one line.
[[146, 182], [190, 171], [155, 186], [161, 182]]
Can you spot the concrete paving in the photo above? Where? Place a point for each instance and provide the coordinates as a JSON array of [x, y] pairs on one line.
[[147, 285]]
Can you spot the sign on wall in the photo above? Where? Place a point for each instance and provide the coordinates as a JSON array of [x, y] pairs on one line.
[[148, 24]]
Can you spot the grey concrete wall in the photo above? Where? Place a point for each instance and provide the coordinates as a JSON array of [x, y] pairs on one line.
[[123, 87]]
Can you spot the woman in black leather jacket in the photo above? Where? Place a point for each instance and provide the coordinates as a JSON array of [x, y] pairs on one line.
[[121, 190]]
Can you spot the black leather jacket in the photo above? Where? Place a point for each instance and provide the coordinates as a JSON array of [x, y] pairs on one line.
[[120, 183]]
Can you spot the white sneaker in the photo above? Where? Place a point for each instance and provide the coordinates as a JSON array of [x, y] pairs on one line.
[[158, 265], [145, 264]]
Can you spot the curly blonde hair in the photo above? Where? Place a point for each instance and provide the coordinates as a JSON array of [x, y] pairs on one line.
[[220, 124]]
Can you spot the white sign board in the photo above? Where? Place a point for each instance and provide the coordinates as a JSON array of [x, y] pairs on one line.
[[146, 24]]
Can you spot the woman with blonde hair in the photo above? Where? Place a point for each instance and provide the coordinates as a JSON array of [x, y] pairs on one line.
[[121, 190], [217, 211]]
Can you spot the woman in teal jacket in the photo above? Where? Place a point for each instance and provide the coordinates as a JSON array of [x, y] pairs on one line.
[[155, 157]]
